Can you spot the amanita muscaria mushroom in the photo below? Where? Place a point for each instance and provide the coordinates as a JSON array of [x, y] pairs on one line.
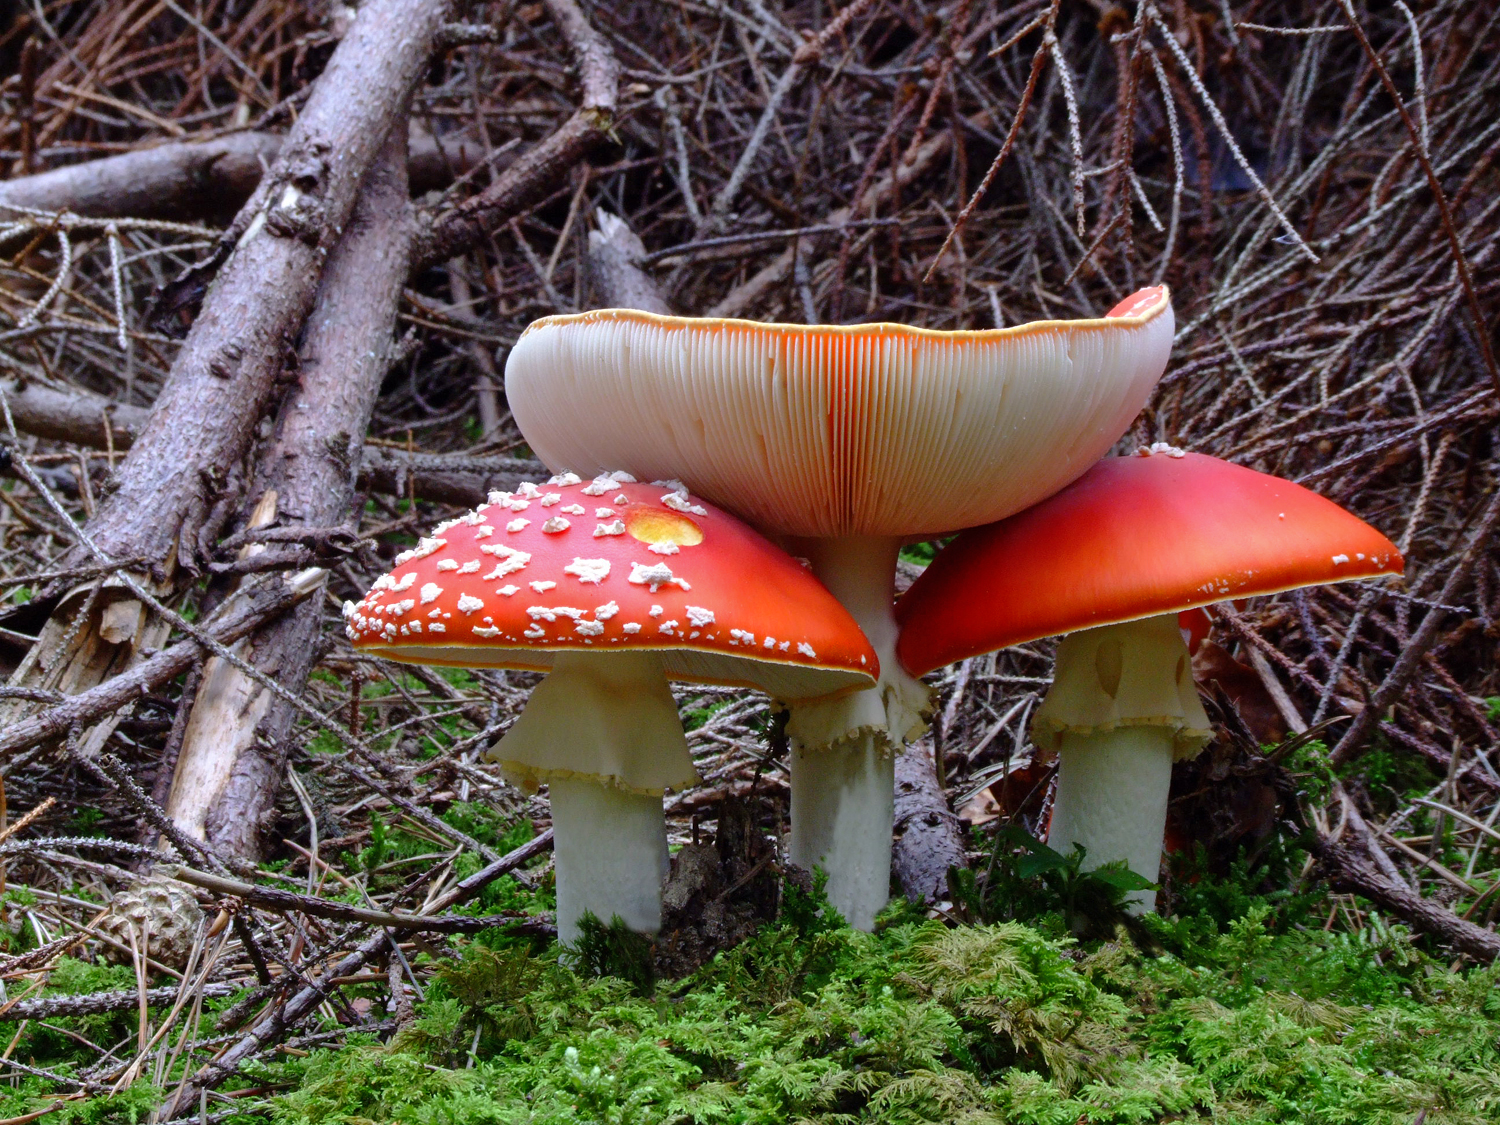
[[846, 442], [615, 587], [1111, 560]]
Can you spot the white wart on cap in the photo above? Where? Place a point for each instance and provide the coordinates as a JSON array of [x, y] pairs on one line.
[[613, 565]]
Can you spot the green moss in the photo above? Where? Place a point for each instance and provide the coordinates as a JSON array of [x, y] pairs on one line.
[[1391, 775], [926, 1023]]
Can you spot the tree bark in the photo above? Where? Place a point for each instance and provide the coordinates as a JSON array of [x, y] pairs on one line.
[[929, 838], [202, 424], [211, 179], [230, 765]]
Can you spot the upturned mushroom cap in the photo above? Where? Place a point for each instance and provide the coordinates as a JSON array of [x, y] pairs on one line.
[[821, 431], [603, 565], [1132, 538]]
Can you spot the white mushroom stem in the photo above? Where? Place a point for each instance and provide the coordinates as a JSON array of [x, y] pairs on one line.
[[603, 732], [842, 808], [1123, 706], [1112, 799], [610, 848], [843, 750]]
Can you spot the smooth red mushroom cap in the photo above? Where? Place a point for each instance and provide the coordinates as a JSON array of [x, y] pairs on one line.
[[607, 565], [1133, 537]]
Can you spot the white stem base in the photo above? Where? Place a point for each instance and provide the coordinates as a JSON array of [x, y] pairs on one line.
[[1112, 790], [610, 850], [842, 812]]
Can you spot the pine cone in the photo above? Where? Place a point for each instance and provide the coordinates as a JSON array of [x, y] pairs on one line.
[[164, 915]]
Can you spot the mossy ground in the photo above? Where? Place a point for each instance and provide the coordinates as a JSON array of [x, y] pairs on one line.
[[1237, 1007], [922, 1022]]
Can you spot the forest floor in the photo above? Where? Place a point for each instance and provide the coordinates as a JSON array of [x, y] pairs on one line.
[[292, 889], [1242, 1003]]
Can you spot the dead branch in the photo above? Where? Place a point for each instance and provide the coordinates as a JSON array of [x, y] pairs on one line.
[[208, 179], [446, 478], [745, 296], [267, 600], [535, 174], [95, 422], [929, 839], [1416, 649], [1347, 869], [276, 899], [615, 253], [97, 1003]]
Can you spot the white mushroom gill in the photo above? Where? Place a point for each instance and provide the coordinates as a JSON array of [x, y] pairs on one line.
[[874, 430]]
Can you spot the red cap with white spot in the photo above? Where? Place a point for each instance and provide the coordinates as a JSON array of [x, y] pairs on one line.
[[611, 564]]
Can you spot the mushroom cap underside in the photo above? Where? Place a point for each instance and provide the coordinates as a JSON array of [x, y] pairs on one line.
[[1132, 538], [874, 429], [610, 564]]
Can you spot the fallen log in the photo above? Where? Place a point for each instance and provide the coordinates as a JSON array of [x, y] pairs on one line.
[[230, 765], [205, 179], [178, 479], [929, 838]]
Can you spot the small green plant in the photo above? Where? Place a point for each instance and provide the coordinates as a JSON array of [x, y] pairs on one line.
[[695, 717], [1027, 881], [613, 950], [374, 854], [1306, 759], [808, 911], [919, 553], [86, 821]]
